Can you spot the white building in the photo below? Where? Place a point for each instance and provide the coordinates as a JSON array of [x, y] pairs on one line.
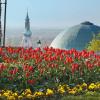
[[77, 36]]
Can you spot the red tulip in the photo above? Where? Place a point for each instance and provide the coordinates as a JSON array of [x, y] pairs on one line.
[[31, 81], [27, 74], [90, 66], [14, 71], [1, 50], [30, 68], [75, 67], [69, 59]]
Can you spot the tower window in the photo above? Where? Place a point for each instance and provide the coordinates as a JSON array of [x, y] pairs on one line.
[[25, 41]]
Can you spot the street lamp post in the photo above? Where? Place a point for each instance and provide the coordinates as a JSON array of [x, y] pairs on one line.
[[5, 22], [39, 43], [0, 24], [5, 9]]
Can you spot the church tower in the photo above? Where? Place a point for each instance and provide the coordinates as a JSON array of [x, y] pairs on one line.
[[27, 41]]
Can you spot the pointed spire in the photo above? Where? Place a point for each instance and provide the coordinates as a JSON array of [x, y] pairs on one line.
[[27, 16], [27, 22]]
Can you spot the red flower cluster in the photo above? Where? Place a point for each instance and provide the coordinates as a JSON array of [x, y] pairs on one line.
[[34, 63]]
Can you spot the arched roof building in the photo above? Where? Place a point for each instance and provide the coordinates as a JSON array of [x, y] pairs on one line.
[[76, 37]]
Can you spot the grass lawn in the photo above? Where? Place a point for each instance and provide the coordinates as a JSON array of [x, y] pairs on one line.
[[64, 98], [81, 98]]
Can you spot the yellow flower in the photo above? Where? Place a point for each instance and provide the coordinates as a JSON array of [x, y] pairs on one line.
[[37, 94], [8, 91], [40, 93], [92, 86], [11, 98], [20, 97], [78, 86], [3, 91], [28, 91], [6, 94], [15, 95], [23, 94], [29, 96], [84, 85], [49, 92], [75, 89], [80, 89], [66, 86], [97, 85], [61, 90], [72, 92]]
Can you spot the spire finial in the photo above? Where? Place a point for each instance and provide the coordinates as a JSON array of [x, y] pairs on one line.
[[27, 16], [27, 11]]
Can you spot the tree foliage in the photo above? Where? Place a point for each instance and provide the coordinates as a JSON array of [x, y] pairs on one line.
[[94, 44]]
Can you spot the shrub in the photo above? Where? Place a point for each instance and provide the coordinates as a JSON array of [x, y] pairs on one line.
[[94, 44]]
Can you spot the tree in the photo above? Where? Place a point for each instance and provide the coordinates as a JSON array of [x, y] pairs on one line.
[[94, 44]]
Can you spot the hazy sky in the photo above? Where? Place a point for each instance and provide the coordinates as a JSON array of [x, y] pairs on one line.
[[52, 13]]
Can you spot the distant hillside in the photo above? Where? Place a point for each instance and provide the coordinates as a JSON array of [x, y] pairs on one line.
[[14, 36]]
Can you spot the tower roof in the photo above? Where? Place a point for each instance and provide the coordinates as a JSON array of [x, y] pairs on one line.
[[27, 26], [27, 16], [87, 23]]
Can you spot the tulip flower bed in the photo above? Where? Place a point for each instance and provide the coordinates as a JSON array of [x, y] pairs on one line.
[[48, 67]]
